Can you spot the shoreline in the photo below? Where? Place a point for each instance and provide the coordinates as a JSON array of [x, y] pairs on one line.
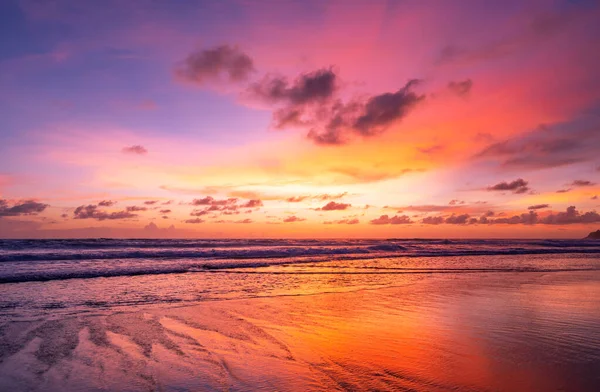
[[302, 342]]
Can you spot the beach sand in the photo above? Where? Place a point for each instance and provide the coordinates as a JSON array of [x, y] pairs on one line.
[[510, 331]]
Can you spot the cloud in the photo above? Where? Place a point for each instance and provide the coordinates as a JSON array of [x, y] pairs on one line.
[[571, 216], [353, 221], [367, 118], [216, 65], [433, 220], [228, 206], [530, 218], [462, 89], [293, 218], [167, 211], [150, 202], [91, 211], [582, 183], [548, 146], [107, 203], [517, 186], [394, 220], [211, 201], [534, 31], [308, 88], [457, 219], [456, 202], [310, 102], [382, 110], [137, 149], [25, 207], [203, 212], [254, 203], [195, 221], [333, 206], [321, 197], [135, 208], [538, 206], [595, 197], [563, 190]]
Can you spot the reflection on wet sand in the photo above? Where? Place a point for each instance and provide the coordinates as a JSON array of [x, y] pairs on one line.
[[462, 332]]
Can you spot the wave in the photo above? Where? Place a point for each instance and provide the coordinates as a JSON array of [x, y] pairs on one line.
[[251, 268], [381, 250], [45, 260]]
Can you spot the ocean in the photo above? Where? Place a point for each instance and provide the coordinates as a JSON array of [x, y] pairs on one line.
[[395, 314]]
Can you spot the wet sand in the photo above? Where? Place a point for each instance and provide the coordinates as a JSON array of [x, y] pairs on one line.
[[510, 331]]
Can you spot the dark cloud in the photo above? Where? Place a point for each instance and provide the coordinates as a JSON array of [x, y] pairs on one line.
[[457, 219], [595, 197], [91, 211], [310, 102], [433, 220], [461, 89], [582, 183], [254, 203], [394, 220], [548, 146], [167, 211], [137, 149], [353, 221], [211, 201], [220, 64], [203, 212], [571, 216], [308, 88], [563, 190], [462, 219], [107, 203], [228, 206], [150, 202], [517, 186], [293, 218], [195, 221], [135, 208], [333, 206], [529, 218], [26, 207], [244, 221], [534, 31], [382, 110], [455, 202], [538, 206]]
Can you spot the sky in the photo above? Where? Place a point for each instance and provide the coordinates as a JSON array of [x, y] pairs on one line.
[[324, 119]]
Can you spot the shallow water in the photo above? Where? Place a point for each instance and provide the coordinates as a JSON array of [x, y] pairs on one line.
[[382, 319]]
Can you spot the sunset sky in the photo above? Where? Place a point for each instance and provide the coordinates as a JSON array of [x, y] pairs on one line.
[[299, 118]]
